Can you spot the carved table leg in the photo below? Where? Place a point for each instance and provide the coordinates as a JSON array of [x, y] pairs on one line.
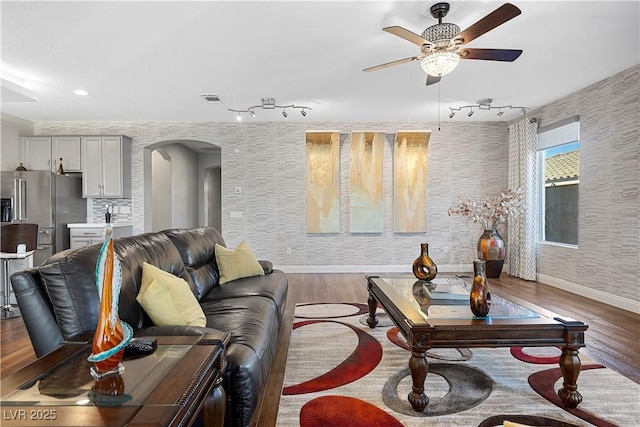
[[570, 367], [215, 405], [419, 366], [373, 305]]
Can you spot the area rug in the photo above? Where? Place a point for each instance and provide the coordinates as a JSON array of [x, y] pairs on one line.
[[340, 372]]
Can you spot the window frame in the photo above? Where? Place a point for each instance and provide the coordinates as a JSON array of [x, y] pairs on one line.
[[561, 133]]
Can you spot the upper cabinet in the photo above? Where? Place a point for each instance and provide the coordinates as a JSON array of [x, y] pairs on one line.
[[106, 166], [68, 149], [42, 153]]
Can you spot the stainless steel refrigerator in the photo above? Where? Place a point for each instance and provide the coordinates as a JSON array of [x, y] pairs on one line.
[[50, 200]]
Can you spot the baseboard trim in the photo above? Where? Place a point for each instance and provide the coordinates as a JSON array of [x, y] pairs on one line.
[[368, 269], [595, 294]]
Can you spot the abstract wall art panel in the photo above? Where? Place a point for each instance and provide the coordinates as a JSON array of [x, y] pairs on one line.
[[410, 181], [366, 209], [323, 182]]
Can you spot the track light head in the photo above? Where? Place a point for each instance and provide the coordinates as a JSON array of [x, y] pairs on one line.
[[304, 113], [238, 117], [470, 113], [451, 114], [284, 113], [252, 113], [500, 113]]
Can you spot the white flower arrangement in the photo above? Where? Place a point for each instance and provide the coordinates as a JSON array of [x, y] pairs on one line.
[[489, 211]]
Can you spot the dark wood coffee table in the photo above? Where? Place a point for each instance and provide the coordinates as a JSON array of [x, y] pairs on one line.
[[180, 381], [511, 322]]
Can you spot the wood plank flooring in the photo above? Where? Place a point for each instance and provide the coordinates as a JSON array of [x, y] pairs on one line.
[[612, 337]]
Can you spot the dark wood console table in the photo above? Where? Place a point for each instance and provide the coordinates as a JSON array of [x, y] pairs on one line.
[[179, 382]]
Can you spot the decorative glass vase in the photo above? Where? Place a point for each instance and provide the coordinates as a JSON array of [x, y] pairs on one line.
[[423, 267], [111, 335], [491, 249], [480, 297]]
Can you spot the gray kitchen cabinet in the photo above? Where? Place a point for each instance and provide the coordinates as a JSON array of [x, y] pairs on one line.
[[43, 153], [90, 234], [106, 166]]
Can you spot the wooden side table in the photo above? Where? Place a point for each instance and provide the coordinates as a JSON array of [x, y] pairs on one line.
[[171, 387]]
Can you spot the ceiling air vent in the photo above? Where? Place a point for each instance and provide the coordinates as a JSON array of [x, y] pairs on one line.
[[212, 99]]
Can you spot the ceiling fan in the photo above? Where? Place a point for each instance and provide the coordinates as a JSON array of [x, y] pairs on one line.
[[442, 44]]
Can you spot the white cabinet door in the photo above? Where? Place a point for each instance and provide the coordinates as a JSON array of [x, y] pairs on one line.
[[67, 148], [106, 166], [91, 166], [37, 153], [112, 166]]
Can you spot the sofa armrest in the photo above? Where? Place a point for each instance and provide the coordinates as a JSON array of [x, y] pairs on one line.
[[211, 333], [267, 266]]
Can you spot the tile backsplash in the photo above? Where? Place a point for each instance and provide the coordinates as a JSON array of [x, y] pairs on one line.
[[121, 210]]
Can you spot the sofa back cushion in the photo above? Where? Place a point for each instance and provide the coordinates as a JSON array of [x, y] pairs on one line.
[[71, 287], [196, 247]]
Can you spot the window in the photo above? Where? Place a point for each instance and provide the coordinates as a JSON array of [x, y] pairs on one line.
[[559, 160]]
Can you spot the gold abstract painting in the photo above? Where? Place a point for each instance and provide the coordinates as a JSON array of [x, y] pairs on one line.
[[366, 209], [323, 182], [410, 181]]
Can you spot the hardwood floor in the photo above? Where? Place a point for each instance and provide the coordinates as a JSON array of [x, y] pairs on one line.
[[612, 337]]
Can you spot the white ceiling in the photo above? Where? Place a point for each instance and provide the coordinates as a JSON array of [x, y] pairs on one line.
[[151, 61]]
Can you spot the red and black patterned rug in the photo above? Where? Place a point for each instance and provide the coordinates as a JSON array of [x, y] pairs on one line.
[[342, 373]]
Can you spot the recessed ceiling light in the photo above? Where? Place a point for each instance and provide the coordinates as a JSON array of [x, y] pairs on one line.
[[81, 92]]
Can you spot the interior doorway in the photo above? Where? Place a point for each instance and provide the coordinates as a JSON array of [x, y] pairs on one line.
[[182, 185]]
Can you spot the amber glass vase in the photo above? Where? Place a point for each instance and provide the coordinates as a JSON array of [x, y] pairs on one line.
[[423, 267], [480, 297], [109, 332]]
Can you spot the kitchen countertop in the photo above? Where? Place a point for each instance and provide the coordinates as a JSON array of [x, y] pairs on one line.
[[98, 225]]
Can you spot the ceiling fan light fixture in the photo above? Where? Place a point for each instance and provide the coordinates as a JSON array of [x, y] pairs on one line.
[[440, 63]]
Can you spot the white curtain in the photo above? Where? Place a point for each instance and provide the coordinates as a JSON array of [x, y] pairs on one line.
[[523, 171]]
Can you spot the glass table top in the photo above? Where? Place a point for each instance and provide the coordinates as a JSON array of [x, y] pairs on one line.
[[70, 382], [417, 293]]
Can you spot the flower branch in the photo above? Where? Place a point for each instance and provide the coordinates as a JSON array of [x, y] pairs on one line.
[[489, 211]]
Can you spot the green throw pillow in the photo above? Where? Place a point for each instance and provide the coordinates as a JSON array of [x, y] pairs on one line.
[[168, 300], [237, 263]]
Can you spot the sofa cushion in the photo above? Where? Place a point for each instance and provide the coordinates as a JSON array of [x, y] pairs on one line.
[[196, 247], [237, 263], [168, 300], [273, 286], [75, 307]]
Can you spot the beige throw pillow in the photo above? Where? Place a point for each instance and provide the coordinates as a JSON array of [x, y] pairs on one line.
[[168, 300], [237, 263]]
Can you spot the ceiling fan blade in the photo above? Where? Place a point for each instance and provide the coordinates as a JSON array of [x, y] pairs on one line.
[[432, 79], [407, 35], [507, 55], [392, 63], [498, 17]]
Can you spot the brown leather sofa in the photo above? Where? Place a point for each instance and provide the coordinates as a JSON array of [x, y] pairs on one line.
[[59, 300]]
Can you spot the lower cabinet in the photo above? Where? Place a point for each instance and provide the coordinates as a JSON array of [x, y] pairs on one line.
[[90, 235]]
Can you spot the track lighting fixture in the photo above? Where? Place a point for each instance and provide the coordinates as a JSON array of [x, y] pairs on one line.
[[270, 104], [485, 104]]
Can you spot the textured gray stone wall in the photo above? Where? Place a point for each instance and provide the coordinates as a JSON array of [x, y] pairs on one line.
[[608, 254], [270, 168]]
